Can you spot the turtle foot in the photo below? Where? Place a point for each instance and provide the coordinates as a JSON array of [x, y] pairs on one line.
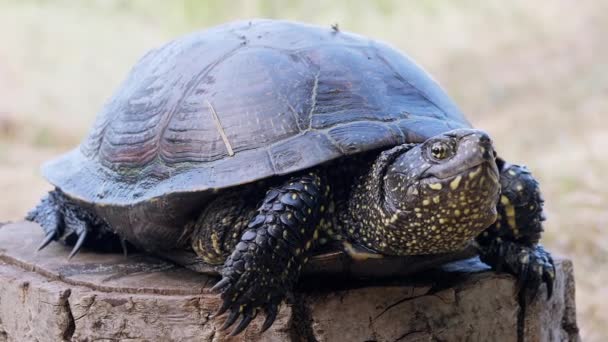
[[48, 214], [532, 266], [256, 277], [67, 222], [249, 286]]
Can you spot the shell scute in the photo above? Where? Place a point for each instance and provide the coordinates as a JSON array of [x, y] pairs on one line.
[[280, 96]]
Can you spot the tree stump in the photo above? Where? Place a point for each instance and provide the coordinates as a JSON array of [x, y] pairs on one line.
[[107, 297]]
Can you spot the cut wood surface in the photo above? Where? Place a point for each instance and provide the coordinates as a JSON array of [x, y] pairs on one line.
[[44, 297]]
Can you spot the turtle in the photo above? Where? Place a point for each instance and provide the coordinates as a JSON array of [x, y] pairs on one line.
[[256, 144]]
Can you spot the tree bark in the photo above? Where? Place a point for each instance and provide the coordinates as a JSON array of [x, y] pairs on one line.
[[43, 297]]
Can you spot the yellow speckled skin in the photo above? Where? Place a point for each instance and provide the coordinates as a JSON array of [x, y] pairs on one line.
[[411, 204]]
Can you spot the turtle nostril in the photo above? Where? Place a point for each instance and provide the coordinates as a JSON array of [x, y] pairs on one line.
[[486, 142], [488, 154], [485, 139]]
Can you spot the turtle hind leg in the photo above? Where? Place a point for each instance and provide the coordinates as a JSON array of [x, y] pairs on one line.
[[48, 214], [219, 228], [64, 221]]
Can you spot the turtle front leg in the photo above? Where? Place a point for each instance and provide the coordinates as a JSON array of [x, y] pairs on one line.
[[266, 263], [512, 242], [63, 220]]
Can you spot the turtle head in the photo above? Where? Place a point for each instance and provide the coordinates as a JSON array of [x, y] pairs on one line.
[[442, 192]]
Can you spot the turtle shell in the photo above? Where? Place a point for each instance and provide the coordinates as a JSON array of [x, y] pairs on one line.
[[245, 101]]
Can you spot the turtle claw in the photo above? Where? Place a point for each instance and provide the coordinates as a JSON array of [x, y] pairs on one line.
[[47, 240], [271, 315], [81, 239], [232, 317], [220, 285], [523, 273], [248, 315], [225, 305], [247, 318], [549, 279]]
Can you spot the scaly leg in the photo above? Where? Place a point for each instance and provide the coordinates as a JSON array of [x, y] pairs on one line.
[[267, 261]]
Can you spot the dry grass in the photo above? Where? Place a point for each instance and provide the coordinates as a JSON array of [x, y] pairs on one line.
[[531, 73]]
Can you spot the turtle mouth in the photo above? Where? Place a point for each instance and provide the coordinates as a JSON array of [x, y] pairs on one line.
[[486, 167]]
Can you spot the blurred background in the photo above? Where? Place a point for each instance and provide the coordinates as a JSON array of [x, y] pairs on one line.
[[532, 73]]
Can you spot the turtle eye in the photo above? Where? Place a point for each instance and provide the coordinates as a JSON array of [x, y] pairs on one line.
[[439, 150]]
